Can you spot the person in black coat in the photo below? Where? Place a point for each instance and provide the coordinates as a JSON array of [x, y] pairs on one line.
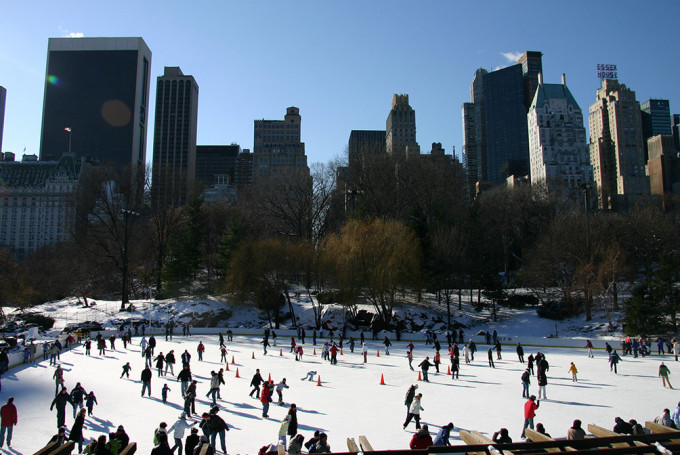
[[191, 442], [163, 448], [424, 366], [255, 384], [122, 436], [146, 380], [293, 423], [60, 402], [520, 353], [76, 434], [218, 427]]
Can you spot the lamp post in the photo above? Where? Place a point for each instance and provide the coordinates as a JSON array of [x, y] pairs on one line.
[[124, 292]]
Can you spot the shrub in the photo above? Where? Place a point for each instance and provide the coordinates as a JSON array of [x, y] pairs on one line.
[[560, 309]]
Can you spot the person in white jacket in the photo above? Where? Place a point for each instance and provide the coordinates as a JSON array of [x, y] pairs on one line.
[[414, 411], [283, 431], [177, 431]]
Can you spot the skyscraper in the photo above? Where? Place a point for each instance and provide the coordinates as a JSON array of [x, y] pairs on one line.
[[495, 138], [174, 141], [400, 131], [616, 150], [98, 88], [277, 148], [656, 118], [3, 99], [365, 142], [216, 164], [557, 140]]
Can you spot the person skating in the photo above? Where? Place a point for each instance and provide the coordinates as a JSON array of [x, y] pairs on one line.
[[200, 349], [526, 381], [223, 354], [184, 377], [279, 389], [293, 424], [530, 363], [414, 411], [190, 399], [574, 372], [78, 394], [265, 397], [530, 408], [255, 383], [589, 346], [421, 439], [146, 380], [160, 363], [409, 357], [437, 361], [60, 403], [214, 387], [424, 366], [489, 354], [473, 349], [170, 362], [58, 377], [90, 401], [163, 447], [498, 348], [520, 353], [164, 393], [76, 434], [442, 438], [8, 419], [126, 370], [265, 344], [364, 351], [387, 344], [192, 441], [218, 427], [613, 361], [664, 372], [283, 430]]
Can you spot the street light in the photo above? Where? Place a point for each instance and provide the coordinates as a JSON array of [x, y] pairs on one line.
[[124, 293]]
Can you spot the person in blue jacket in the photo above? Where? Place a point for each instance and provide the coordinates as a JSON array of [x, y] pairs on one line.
[[442, 438]]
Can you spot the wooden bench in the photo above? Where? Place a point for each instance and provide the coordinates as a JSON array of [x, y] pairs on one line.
[[364, 444], [604, 433], [352, 445], [535, 436], [53, 449], [130, 449], [658, 428]]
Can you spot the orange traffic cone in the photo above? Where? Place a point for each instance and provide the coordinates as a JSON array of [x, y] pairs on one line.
[[382, 379], [314, 351], [378, 352], [227, 366], [281, 353], [237, 373], [253, 354], [270, 378], [448, 370], [232, 360], [419, 377], [341, 351], [318, 381]]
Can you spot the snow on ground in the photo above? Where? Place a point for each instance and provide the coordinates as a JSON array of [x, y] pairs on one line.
[[350, 402]]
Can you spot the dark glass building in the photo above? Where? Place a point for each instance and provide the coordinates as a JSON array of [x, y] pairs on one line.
[[505, 119], [365, 142], [216, 164], [98, 88]]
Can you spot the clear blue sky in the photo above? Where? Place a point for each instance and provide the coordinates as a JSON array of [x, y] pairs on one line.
[[340, 62]]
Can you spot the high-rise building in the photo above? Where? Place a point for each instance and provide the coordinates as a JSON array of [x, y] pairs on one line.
[[676, 131], [656, 119], [277, 149], [96, 100], [557, 140], [216, 164], [532, 66], [616, 150], [37, 202], [662, 165], [495, 138], [400, 131], [3, 99], [244, 169], [174, 141], [365, 142]]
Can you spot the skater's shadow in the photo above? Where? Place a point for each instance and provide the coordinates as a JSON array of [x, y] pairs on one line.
[[13, 450], [244, 414], [243, 405], [576, 403], [485, 382], [311, 411], [100, 425]]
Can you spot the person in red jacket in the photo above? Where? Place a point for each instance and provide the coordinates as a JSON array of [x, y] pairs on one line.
[[422, 439], [8, 418], [265, 397], [530, 412]]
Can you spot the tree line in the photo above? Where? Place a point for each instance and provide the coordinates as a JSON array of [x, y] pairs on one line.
[[374, 232]]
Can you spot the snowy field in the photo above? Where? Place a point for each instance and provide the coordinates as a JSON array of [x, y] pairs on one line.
[[350, 402]]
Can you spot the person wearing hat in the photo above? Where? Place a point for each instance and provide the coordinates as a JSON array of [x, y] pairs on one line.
[[530, 412], [422, 439], [177, 431], [162, 448], [60, 402], [8, 418], [313, 440], [322, 445], [162, 428], [410, 393], [202, 443], [192, 441], [442, 438], [122, 436]]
